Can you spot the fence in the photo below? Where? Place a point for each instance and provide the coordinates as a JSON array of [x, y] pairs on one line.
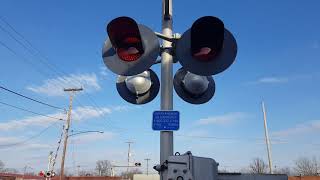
[[304, 178]]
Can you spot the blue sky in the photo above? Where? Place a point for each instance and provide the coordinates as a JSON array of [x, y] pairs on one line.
[[277, 61]]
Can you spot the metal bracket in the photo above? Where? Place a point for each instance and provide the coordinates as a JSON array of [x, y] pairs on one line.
[[173, 39], [160, 168], [170, 51]]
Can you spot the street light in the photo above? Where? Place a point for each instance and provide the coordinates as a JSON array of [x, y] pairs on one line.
[[85, 132]]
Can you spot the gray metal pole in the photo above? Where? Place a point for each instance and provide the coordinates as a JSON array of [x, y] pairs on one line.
[[166, 137], [147, 159], [267, 137], [129, 154], [78, 170]]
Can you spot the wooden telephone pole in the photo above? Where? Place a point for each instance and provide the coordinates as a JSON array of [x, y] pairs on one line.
[[67, 127]]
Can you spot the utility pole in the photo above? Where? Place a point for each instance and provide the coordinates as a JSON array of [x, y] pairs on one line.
[[67, 127], [78, 167], [166, 137], [267, 137], [129, 154], [112, 171], [147, 159], [49, 163]]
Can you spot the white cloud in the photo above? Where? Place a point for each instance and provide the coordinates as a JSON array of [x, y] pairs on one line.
[[269, 80], [124, 108], [283, 80], [79, 114], [92, 137], [272, 80], [103, 71], [89, 112], [28, 121], [36, 146], [54, 87], [307, 127], [15, 142], [8, 140], [198, 132], [222, 119]]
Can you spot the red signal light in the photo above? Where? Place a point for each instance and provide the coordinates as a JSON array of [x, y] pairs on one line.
[[41, 173], [207, 35], [125, 37]]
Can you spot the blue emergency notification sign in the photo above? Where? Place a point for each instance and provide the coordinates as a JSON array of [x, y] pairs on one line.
[[166, 120]]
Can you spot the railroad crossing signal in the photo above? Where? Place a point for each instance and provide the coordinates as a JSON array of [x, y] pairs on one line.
[[139, 89], [42, 173], [47, 174], [137, 164], [193, 88], [205, 49], [131, 48]]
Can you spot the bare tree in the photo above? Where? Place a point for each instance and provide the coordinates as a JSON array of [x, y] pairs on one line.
[[223, 170], [307, 166], [258, 166], [6, 170], [283, 170], [2, 166], [103, 167], [10, 170], [85, 173], [244, 170]]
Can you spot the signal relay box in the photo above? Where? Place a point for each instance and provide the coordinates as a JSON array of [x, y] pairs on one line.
[[189, 167]]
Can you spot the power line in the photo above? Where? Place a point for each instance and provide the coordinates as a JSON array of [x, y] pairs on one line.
[[250, 139], [35, 52], [30, 138], [45, 60], [12, 28], [219, 138], [29, 62], [26, 110], [24, 59], [275, 140], [31, 98], [57, 151]]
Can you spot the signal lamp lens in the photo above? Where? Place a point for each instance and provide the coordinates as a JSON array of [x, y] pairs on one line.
[[204, 54], [139, 84], [195, 84], [125, 37], [207, 35], [41, 173], [129, 54]]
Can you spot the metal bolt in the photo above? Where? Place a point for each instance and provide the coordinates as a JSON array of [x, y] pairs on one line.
[[185, 171]]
